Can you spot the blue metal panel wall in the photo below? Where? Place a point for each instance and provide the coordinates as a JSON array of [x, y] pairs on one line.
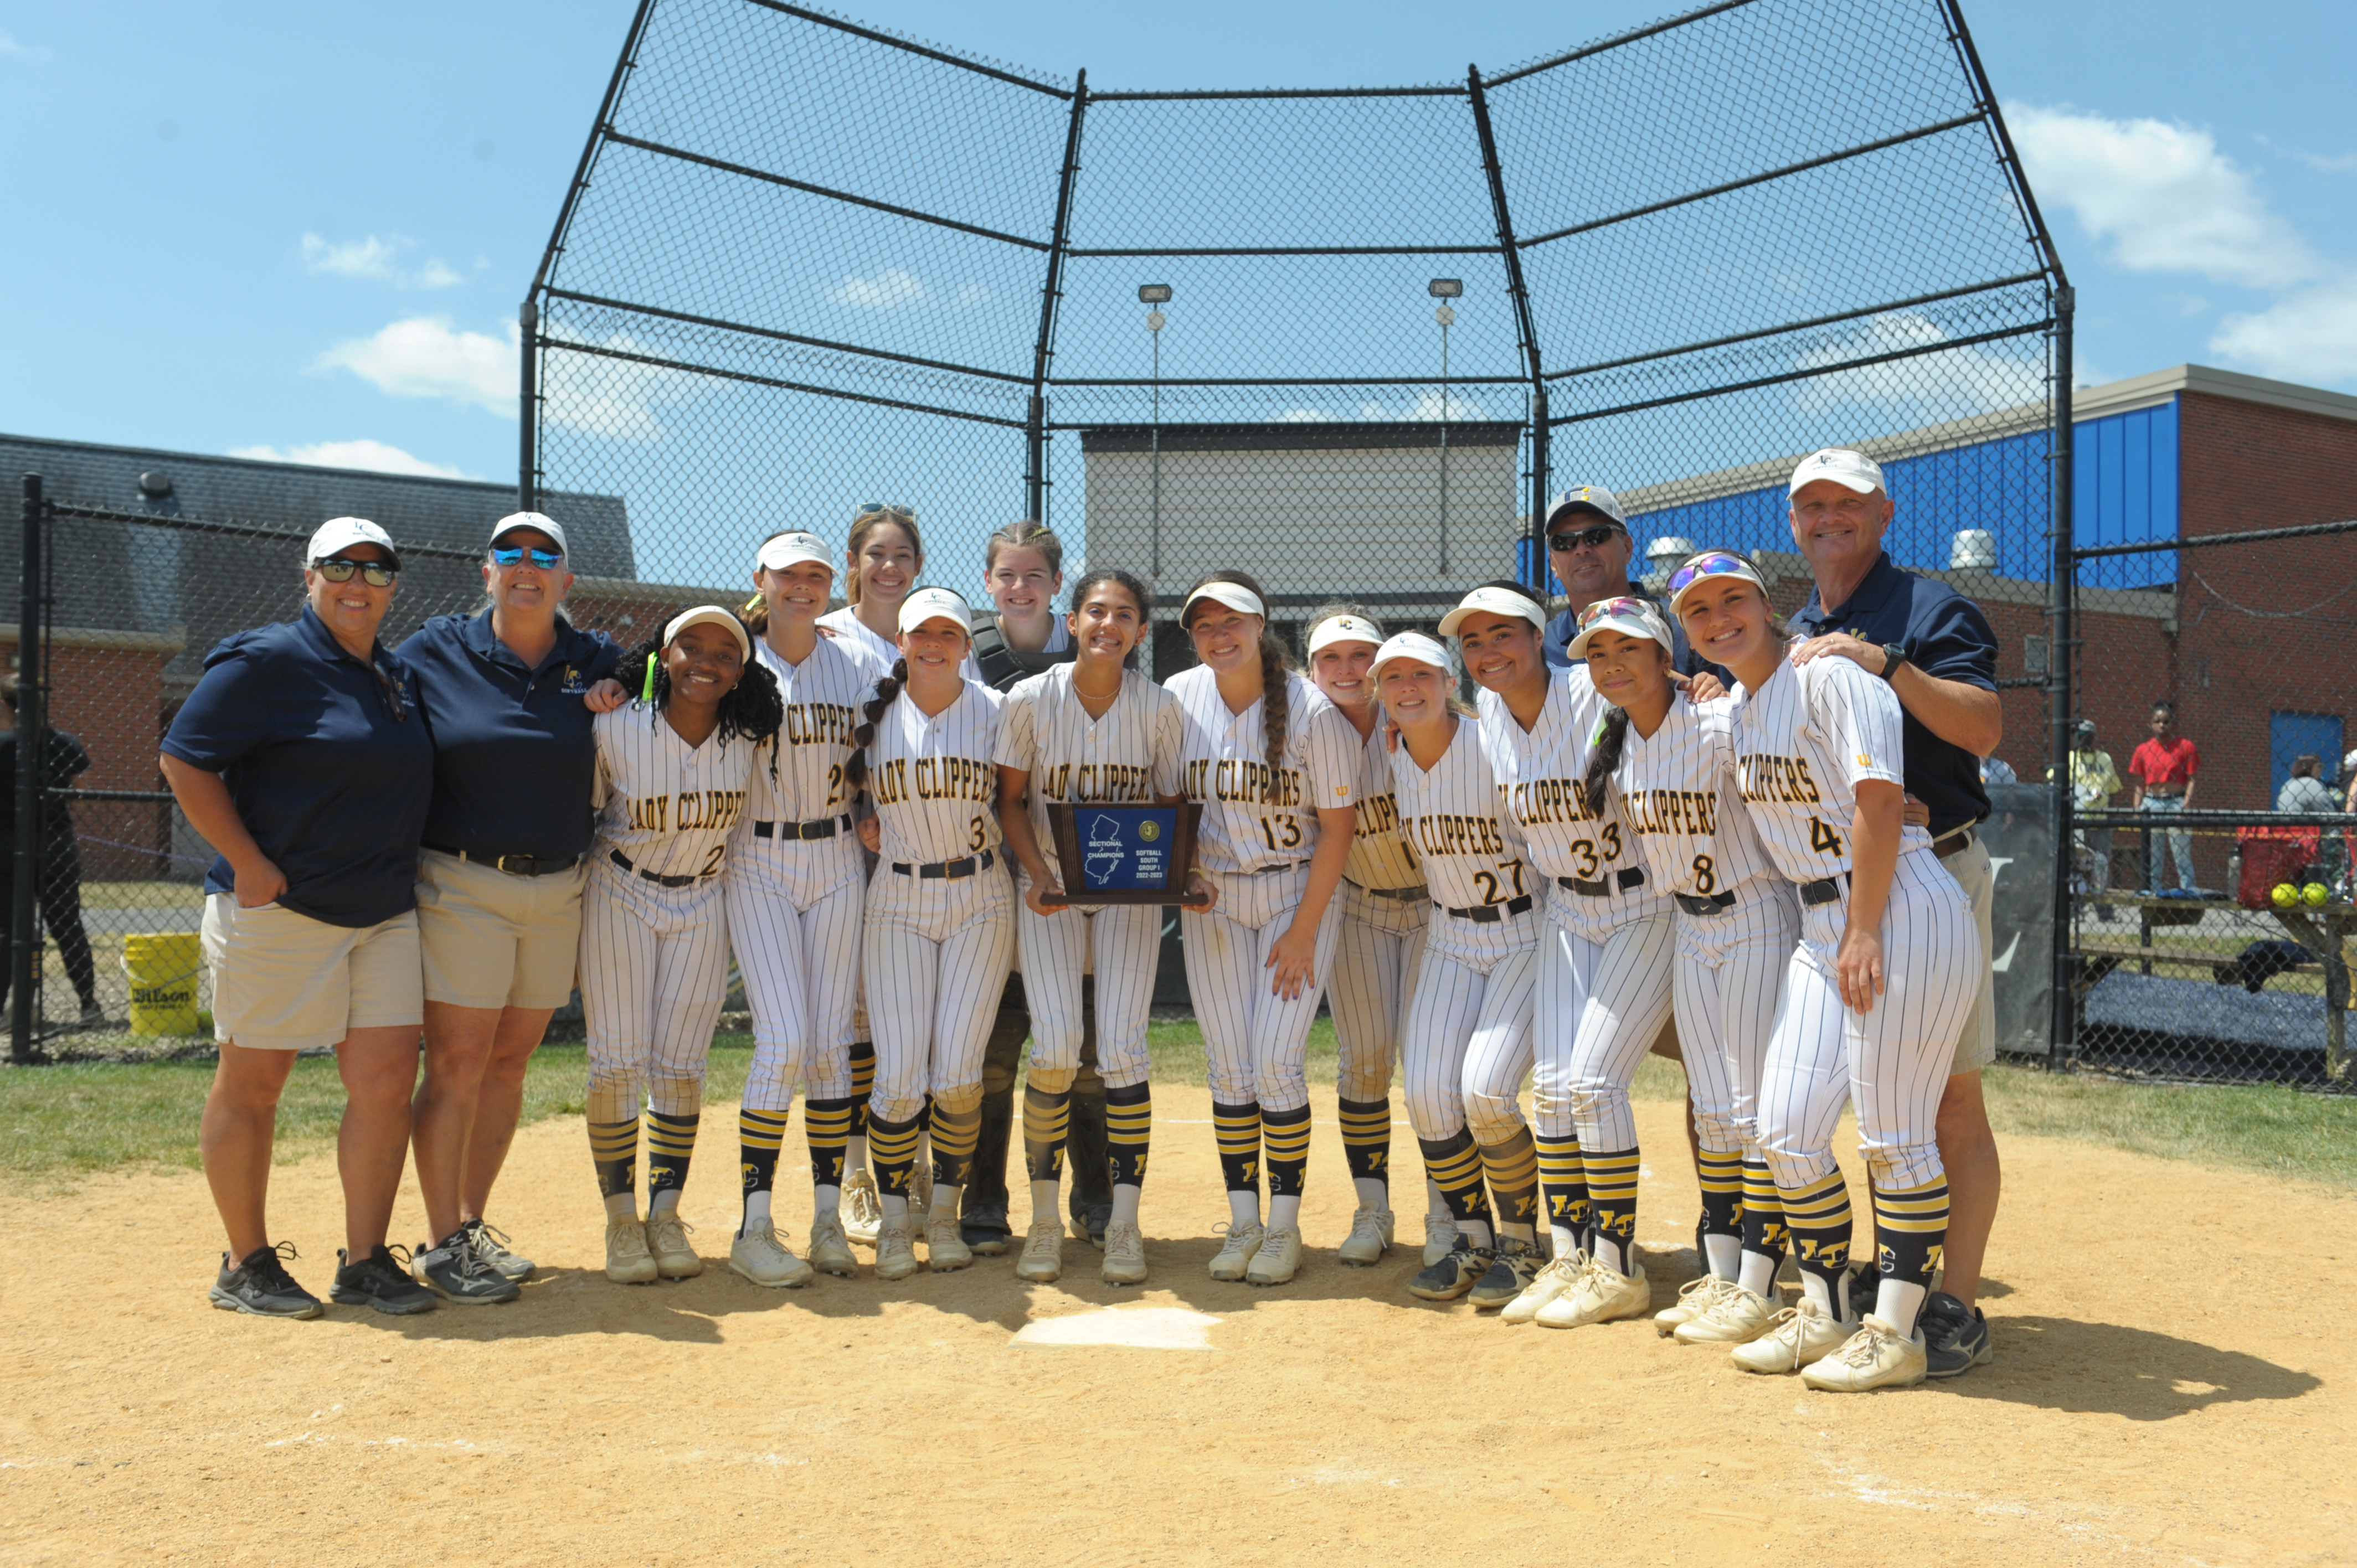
[[2126, 492]]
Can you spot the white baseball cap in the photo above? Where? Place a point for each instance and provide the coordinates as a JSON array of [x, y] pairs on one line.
[[1410, 645], [343, 533], [1707, 566], [532, 520], [1235, 595], [1630, 615], [1486, 600], [783, 549], [935, 604], [1342, 628], [1841, 464], [1593, 497], [709, 615]]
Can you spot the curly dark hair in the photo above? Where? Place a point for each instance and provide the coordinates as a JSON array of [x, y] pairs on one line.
[[752, 711]]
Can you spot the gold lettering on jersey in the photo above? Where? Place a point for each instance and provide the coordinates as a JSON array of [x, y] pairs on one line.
[[1542, 800], [691, 810], [820, 724], [1779, 781], [1096, 781], [1688, 811], [890, 782], [1241, 778], [1441, 835], [956, 778], [1378, 815]]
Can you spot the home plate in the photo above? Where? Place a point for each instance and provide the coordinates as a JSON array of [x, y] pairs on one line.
[[1138, 1327]]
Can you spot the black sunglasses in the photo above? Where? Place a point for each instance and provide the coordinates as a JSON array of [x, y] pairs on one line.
[[336, 569], [1594, 538], [513, 554]]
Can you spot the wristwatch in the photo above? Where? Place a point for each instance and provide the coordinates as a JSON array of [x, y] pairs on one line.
[[1893, 655]]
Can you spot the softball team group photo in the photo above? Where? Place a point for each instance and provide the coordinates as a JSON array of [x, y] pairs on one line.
[[1665, 823]]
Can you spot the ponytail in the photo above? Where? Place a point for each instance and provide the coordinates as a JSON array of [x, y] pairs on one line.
[[888, 691], [1604, 759], [1275, 702], [756, 615]]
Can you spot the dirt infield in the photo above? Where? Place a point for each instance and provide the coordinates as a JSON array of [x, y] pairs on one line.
[[2173, 1384]]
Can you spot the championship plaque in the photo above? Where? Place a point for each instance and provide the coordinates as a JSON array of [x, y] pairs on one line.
[[1123, 854]]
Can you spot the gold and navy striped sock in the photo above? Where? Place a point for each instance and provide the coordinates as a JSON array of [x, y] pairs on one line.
[[613, 1150], [1236, 1129], [892, 1149], [1563, 1184], [1046, 1121], [1817, 1215], [863, 1081], [1367, 1139], [1455, 1167], [1912, 1228], [955, 1134], [1129, 1130], [1722, 1192], [827, 1124], [1512, 1168], [1763, 1210], [1286, 1134], [670, 1143], [759, 1135]]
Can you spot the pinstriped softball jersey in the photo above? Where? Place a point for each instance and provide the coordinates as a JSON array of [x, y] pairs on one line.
[[1382, 941], [1677, 791], [1380, 854], [933, 778], [853, 632], [1247, 825], [1134, 755]]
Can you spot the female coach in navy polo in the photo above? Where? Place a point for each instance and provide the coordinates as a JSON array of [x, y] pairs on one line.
[[508, 693], [302, 758]]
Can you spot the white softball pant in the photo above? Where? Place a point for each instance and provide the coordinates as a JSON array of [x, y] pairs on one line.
[[1727, 981], [654, 971], [1597, 1003], [801, 968], [1468, 1007], [1891, 1060], [935, 956], [1375, 974], [1119, 943], [1254, 1040]]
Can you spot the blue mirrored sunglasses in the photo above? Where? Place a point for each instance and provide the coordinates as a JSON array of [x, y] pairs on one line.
[[513, 554], [1715, 565]]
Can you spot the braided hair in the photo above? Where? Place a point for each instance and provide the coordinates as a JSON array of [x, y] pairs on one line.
[[1611, 741], [1275, 663], [888, 691]]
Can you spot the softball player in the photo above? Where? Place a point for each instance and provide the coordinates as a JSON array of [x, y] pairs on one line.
[[1875, 991], [793, 885], [939, 921], [672, 772], [1276, 770], [1603, 965], [1671, 760], [1082, 732], [1472, 994], [1383, 903]]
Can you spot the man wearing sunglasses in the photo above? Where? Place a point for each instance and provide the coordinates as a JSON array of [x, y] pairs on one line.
[[1589, 550]]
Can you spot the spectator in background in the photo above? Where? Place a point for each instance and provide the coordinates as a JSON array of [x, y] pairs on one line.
[[2094, 782], [2162, 771], [2349, 772], [2304, 791], [59, 885], [1997, 770]]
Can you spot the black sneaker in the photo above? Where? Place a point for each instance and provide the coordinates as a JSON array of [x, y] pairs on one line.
[[1514, 1266], [1864, 1287], [1954, 1340], [453, 1270], [379, 1280], [985, 1230], [490, 1245], [260, 1285], [1454, 1274], [1089, 1223]]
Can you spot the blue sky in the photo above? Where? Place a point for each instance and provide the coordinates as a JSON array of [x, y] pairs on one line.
[[303, 231]]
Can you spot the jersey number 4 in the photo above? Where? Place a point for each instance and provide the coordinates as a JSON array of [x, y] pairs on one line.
[[1821, 838]]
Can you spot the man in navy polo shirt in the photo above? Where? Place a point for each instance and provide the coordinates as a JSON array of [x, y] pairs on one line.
[[1589, 550], [1936, 649]]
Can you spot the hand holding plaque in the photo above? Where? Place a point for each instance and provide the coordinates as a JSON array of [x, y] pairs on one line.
[[1124, 854]]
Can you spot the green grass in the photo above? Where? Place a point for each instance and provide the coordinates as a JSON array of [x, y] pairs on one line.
[[58, 1123]]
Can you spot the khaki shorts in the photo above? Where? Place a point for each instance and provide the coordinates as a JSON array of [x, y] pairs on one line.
[[1976, 1046], [492, 940], [284, 981]]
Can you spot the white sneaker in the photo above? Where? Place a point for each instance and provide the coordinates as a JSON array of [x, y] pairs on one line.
[[1371, 1238], [758, 1255], [667, 1240], [830, 1249], [945, 1248], [1439, 1236], [1551, 1282], [1794, 1337], [628, 1261], [1124, 1256], [895, 1250], [1605, 1295], [1235, 1254], [1277, 1259], [1876, 1356], [862, 1215], [1695, 1298], [1736, 1317], [1043, 1252]]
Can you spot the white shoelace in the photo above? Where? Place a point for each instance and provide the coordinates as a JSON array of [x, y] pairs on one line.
[[1367, 1223]]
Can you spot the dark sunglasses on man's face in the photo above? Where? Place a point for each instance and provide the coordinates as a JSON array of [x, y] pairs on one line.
[[513, 554], [336, 569], [1594, 538]]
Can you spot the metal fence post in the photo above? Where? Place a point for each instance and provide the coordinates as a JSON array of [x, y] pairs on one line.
[[24, 937], [1525, 325], [1035, 433], [528, 447], [2061, 659]]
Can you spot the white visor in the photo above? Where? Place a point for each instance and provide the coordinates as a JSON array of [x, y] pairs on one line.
[[935, 604], [709, 615], [1632, 616], [787, 549], [1342, 628], [1411, 645], [1235, 595], [1496, 602]]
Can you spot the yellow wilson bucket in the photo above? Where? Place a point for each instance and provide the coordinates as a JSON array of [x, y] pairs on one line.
[[163, 970]]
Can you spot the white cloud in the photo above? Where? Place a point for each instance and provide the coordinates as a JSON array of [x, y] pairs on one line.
[[2161, 195], [374, 457], [2309, 336], [11, 48], [888, 290], [435, 274], [1426, 406], [423, 356], [376, 260], [601, 395], [1305, 416], [1930, 385]]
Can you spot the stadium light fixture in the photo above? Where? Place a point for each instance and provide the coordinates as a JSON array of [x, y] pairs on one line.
[[1154, 294], [1445, 289]]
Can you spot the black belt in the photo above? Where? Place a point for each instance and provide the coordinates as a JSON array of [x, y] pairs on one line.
[[1696, 903], [1403, 895], [1627, 877], [938, 870], [514, 865], [622, 860], [1955, 843], [1823, 890], [816, 828], [1290, 866], [1489, 914]]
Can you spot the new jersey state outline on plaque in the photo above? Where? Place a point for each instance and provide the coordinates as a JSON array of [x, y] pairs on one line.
[[1123, 851]]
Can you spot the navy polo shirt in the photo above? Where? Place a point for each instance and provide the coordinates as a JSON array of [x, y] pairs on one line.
[[1946, 636], [332, 786], [1561, 630], [513, 758]]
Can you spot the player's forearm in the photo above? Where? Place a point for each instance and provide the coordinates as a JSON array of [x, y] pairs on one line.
[[1326, 862], [1874, 851], [205, 801], [1958, 714], [1015, 823]]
